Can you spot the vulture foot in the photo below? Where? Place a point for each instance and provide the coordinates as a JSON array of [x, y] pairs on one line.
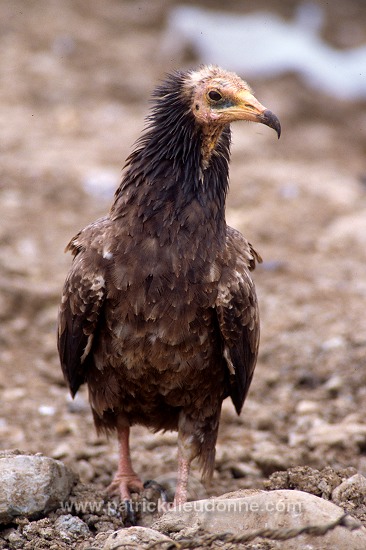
[[122, 486]]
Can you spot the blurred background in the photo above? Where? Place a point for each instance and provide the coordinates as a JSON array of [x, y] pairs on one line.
[[75, 82]]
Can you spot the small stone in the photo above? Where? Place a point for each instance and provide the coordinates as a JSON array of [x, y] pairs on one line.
[[334, 384], [78, 404], [135, 538], [350, 491], [46, 410], [14, 538], [71, 527], [307, 407], [333, 343], [13, 394], [63, 449]]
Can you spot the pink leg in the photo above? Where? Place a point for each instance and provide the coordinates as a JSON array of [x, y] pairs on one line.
[[181, 493], [126, 479]]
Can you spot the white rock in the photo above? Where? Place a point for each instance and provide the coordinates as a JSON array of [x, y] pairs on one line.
[[46, 410], [77, 404], [31, 485], [306, 407], [335, 342], [334, 385], [135, 538], [255, 509]]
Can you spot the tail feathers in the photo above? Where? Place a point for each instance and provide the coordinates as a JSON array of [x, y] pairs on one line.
[[199, 441], [206, 462]]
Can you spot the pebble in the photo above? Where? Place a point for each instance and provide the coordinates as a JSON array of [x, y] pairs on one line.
[[14, 538], [306, 407], [46, 410], [31, 485], [13, 394], [351, 491], [62, 450], [335, 342], [71, 527], [78, 404], [334, 384]]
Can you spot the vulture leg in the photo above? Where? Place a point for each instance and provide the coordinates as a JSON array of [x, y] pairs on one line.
[[181, 492], [196, 438], [187, 451], [126, 479]]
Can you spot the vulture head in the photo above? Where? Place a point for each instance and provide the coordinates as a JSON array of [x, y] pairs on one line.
[[219, 97]]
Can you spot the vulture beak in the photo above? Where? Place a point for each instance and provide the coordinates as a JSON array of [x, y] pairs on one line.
[[249, 108]]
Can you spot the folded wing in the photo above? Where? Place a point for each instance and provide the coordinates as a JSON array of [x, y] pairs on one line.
[[238, 315]]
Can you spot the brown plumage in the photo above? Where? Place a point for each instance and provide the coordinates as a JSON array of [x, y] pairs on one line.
[[159, 313]]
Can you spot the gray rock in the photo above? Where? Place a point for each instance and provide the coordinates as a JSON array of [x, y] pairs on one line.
[[31, 485], [134, 538], [69, 528], [248, 510]]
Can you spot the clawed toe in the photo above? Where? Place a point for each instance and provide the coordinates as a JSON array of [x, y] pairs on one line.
[[124, 485], [130, 514]]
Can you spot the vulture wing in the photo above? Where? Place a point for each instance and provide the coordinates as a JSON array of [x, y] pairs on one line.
[[238, 315], [82, 300]]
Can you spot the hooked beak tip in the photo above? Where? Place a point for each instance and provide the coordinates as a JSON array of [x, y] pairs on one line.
[[269, 119]]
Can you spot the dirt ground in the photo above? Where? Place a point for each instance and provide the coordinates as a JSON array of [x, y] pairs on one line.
[[75, 83]]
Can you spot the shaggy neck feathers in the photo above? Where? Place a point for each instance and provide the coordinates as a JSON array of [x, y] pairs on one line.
[[176, 159]]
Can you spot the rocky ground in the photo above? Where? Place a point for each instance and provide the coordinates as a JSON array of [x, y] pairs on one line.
[[75, 82]]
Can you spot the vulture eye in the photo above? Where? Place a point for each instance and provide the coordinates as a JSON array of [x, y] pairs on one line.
[[214, 95]]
